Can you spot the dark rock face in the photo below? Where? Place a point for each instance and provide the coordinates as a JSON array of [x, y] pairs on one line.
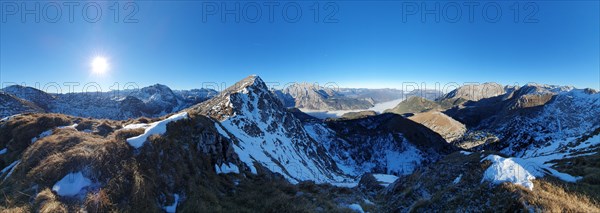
[[301, 115], [369, 183], [374, 143], [133, 106]]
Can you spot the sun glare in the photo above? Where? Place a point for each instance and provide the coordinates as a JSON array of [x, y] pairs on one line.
[[99, 65]]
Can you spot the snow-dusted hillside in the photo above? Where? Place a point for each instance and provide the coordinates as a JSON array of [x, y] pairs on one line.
[[264, 133], [153, 101]]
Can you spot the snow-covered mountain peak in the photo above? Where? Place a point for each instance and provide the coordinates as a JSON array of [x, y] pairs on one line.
[[264, 132], [540, 89]]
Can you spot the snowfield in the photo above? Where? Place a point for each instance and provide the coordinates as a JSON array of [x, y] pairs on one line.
[[159, 127]]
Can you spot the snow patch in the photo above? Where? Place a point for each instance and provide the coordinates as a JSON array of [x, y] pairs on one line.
[[227, 168], [3, 151], [136, 126], [345, 184], [384, 179], [71, 184], [222, 131], [8, 117], [457, 180], [42, 135], [10, 167], [465, 152], [159, 127], [68, 127], [506, 170], [539, 167], [356, 207], [172, 208]]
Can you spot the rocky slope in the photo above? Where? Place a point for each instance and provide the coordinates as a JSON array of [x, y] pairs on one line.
[[265, 133], [475, 92], [11, 105], [387, 143], [38, 97], [532, 116], [441, 123], [311, 96]]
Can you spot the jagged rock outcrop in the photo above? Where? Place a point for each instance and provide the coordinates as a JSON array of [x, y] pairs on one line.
[[265, 134]]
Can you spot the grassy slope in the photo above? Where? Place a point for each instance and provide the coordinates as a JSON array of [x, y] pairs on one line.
[[181, 161]]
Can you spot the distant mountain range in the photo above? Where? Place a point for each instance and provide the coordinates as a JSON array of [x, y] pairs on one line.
[[152, 101], [158, 100], [477, 148]]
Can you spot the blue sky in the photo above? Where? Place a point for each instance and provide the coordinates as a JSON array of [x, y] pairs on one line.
[[369, 44]]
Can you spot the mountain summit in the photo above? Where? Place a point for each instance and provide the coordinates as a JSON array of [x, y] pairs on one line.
[[265, 133]]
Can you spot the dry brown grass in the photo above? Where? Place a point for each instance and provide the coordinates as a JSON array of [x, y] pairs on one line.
[[98, 201], [16, 134], [46, 201], [549, 197], [183, 160], [21, 209], [433, 190]]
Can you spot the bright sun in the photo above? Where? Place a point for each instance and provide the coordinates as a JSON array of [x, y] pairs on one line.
[[99, 65]]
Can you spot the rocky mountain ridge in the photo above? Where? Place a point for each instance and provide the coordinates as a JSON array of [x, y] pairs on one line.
[[244, 144], [152, 101]]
